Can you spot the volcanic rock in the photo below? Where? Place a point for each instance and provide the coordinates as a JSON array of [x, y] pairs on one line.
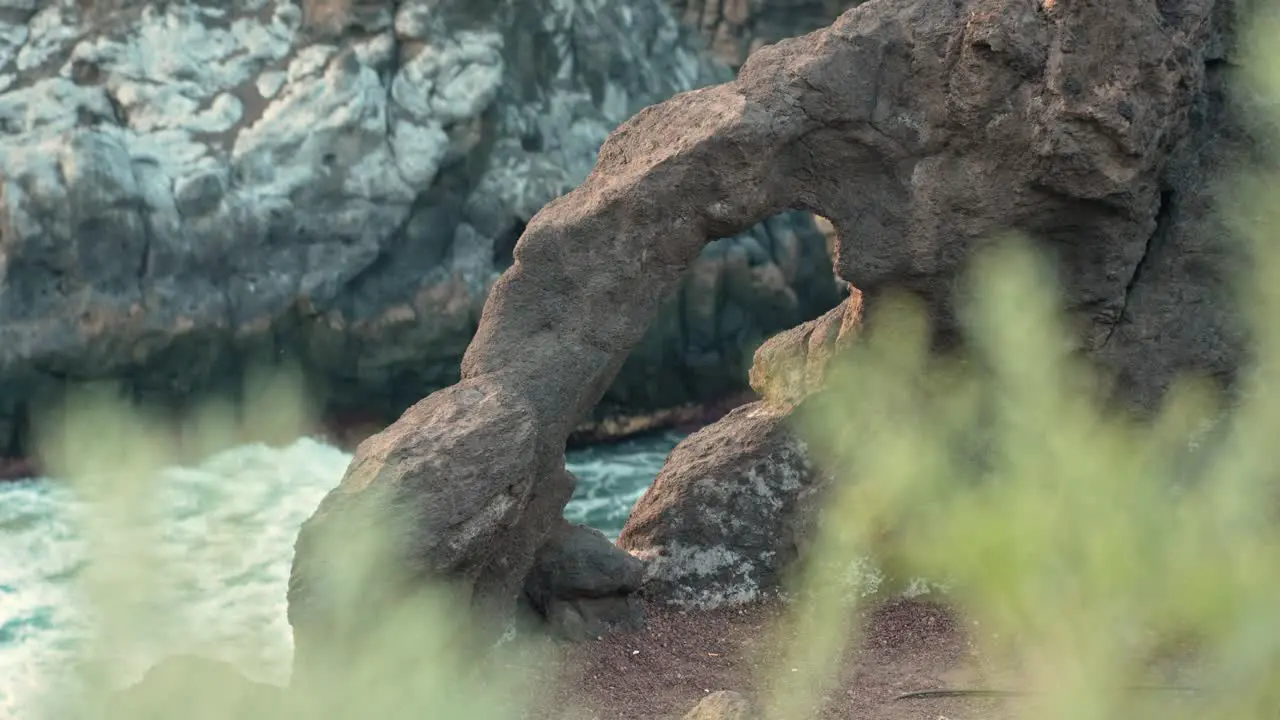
[[1046, 118], [729, 512], [190, 189], [920, 130], [735, 504], [583, 586]]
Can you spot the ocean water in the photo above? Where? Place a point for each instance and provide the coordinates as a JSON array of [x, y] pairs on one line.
[[218, 550]]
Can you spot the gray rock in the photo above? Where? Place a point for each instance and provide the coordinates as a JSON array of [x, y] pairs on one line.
[[920, 130], [1117, 186], [583, 586], [191, 187], [580, 560], [729, 513]]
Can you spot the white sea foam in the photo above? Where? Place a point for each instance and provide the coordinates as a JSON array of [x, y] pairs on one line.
[[222, 541]]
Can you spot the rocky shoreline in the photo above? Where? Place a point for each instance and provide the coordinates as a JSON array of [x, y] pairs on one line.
[[334, 185]]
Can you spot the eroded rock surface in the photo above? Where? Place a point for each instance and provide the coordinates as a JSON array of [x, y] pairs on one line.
[[190, 187], [729, 513], [582, 586], [919, 129], [737, 502], [461, 489], [920, 132], [793, 364], [1124, 208]]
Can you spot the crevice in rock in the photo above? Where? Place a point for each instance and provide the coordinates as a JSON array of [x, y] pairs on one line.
[[504, 246], [1164, 220]]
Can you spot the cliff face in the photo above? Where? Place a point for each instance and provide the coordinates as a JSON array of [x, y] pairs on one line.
[[734, 29], [193, 187], [1102, 130]]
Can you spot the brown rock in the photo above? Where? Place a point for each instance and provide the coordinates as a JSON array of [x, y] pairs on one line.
[[581, 585], [793, 364], [728, 513], [919, 129], [983, 117], [1012, 123], [721, 705], [735, 28], [466, 487]]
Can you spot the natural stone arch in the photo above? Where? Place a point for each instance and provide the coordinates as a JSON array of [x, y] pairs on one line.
[[918, 129]]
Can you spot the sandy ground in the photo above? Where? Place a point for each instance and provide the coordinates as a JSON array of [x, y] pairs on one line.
[[665, 669]]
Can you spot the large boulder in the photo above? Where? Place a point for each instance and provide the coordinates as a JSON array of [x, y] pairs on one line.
[[582, 586], [920, 130], [729, 513], [737, 502], [1143, 257], [189, 188], [462, 489]]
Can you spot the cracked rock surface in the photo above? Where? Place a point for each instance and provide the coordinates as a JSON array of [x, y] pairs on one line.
[[190, 187], [582, 586], [1099, 129], [919, 129], [736, 504]]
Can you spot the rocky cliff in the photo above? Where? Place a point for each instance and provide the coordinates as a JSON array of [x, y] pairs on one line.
[[193, 187], [921, 130], [1104, 131]]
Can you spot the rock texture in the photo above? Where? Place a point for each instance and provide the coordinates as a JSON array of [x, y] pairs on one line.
[[793, 364], [1016, 121], [726, 516], [582, 586], [736, 503], [919, 129], [190, 187]]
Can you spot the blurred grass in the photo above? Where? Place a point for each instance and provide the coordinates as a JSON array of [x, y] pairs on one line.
[[1078, 538], [417, 661]]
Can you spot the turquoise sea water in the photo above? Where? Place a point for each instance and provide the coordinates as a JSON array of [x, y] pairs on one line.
[[222, 542]]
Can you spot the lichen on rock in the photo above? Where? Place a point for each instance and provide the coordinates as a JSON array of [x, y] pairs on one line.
[[190, 188]]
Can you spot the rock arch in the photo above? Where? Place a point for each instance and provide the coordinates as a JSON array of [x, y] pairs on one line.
[[917, 128]]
